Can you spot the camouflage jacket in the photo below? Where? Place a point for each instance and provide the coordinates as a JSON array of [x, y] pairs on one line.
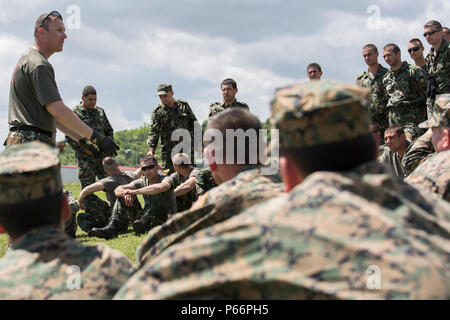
[[204, 181], [96, 119], [220, 106], [164, 121], [47, 264], [418, 152], [359, 234], [246, 189], [433, 175], [393, 162], [406, 88], [378, 99], [184, 202], [439, 67]]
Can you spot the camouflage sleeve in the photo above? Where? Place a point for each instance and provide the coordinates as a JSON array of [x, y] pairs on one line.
[[421, 81], [418, 152], [155, 131], [75, 145], [109, 131], [201, 182]]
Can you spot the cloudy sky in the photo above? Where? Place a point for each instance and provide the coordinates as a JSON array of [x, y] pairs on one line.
[[125, 50]]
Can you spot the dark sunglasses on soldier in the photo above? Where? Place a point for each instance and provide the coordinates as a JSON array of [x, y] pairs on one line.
[[413, 49], [430, 33], [149, 167], [53, 14]]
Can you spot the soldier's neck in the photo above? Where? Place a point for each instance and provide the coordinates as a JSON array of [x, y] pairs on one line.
[[437, 45], [42, 50], [229, 102], [420, 62], [374, 68], [397, 66]]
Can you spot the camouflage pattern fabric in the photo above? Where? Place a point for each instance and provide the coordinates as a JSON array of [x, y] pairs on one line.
[[22, 136], [439, 70], [164, 121], [70, 226], [377, 96], [418, 152], [184, 202], [43, 265], [89, 161], [433, 175], [322, 240], [217, 107], [204, 181], [246, 189], [393, 162], [406, 88], [125, 214]]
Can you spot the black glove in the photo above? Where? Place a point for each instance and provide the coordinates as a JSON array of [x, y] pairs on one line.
[[106, 144]]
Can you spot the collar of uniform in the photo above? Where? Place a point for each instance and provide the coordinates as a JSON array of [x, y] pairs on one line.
[[404, 66], [32, 240], [229, 105], [248, 168], [84, 109]]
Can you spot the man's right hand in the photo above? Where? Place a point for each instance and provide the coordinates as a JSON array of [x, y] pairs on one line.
[[106, 144], [150, 152]]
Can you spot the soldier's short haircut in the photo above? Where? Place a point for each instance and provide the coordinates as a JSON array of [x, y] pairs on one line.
[[89, 90], [235, 119], [229, 81], [433, 23], [416, 40], [109, 163], [45, 24], [371, 46], [147, 158], [20, 218], [396, 128], [375, 126], [339, 156], [395, 48], [314, 65], [182, 160]]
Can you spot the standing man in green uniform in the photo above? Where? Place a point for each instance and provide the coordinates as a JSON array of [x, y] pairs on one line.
[[405, 86], [372, 79], [229, 90], [438, 63], [169, 115], [89, 160]]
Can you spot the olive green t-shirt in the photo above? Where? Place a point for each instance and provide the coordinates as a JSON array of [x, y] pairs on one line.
[[33, 86]]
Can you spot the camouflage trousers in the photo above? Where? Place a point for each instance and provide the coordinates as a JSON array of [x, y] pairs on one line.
[[22, 136], [125, 214], [97, 211], [70, 226]]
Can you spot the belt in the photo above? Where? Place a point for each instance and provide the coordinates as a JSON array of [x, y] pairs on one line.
[[32, 128]]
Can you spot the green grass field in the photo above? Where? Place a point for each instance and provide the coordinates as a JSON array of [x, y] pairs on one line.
[[126, 243]]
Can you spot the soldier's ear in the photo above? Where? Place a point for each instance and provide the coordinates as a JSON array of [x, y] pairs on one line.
[[290, 173], [65, 210], [2, 230]]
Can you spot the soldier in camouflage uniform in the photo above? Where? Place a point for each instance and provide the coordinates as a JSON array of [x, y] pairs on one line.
[[171, 114], [434, 173], [157, 191], [345, 230], [372, 79], [438, 63], [43, 262], [70, 226], [204, 181], [415, 50], [405, 85], [183, 181], [89, 160], [229, 90]]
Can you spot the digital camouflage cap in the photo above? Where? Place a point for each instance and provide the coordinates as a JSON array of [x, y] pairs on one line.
[[29, 171], [319, 113], [439, 119], [164, 89]]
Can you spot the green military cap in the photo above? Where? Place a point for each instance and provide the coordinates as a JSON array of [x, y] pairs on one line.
[[164, 89], [442, 118], [319, 113], [29, 171]]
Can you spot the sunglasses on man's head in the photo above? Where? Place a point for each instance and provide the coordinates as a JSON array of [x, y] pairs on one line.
[[53, 14], [149, 167], [413, 49], [430, 33]]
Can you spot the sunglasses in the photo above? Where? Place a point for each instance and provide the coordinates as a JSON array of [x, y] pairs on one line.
[[430, 33], [413, 49], [53, 14], [149, 167]]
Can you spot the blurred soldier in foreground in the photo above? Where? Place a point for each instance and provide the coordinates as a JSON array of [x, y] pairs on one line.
[[438, 62], [183, 180], [346, 229], [229, 89], [44, 263], [169, 115], [405, 85], [372, 79], [89, 160], [158, 195], [240, 184], [396, 147], [434, 174]]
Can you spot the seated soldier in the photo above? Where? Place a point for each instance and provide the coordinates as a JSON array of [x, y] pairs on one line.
[[396, 147], [158, 195], [119, 219], [184, 181], [43, 262], [204, 181], [345, 229]]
